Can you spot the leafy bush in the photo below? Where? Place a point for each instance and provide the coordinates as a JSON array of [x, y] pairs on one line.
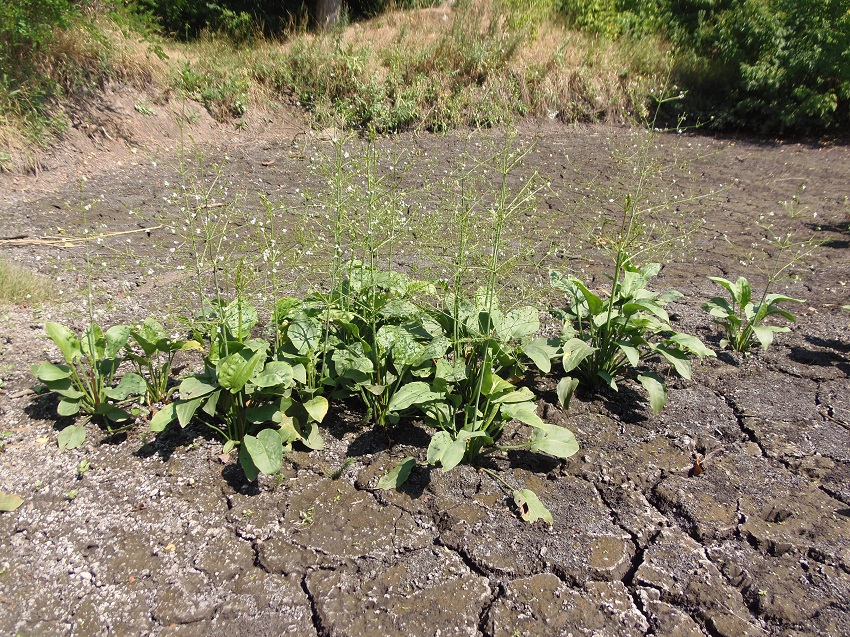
[[86, 382], [27, 26], [223, 93], [27, 31], [769, 65], [473, 399], [236, 19], [779, 64], [244, 396]]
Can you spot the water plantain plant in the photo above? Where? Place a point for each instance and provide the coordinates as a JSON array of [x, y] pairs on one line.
[[245, 396], [606, 338], [155, 356], [86, 382], [470, 401], [387, 343], [742, 320], [476, 399]]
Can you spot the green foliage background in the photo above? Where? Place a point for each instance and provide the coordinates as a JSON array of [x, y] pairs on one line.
[[763, 65]]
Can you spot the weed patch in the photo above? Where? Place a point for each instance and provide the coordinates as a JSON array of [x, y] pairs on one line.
[[20, 285]]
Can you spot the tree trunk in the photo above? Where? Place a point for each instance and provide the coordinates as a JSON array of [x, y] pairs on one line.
[[327, 13]]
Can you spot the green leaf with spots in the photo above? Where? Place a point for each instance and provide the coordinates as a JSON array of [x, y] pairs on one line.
[[531, 508]]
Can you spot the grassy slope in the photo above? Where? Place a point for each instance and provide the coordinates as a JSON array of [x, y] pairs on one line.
[[432, 69]]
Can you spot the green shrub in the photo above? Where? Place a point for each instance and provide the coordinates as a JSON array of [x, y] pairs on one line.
[[772, 64], [768, 65], [27, 26]]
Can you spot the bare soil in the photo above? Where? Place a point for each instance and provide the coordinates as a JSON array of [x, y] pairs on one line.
[[163, 536]]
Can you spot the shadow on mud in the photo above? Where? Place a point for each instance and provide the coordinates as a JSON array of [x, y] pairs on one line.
[[828, 357], [837, 228], [172, 438], [43, 407], [415, 485], [628, 404]]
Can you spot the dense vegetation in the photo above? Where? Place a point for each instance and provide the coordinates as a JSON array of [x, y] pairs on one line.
[[766, 66]]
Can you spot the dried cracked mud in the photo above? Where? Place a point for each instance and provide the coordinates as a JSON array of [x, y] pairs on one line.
[[162, 536]]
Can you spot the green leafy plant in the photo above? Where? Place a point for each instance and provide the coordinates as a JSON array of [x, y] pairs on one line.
[[485, 343], [86, 382], [742, 320], [244, 396], [386, 344], [476, 401], [606, 338], [157, 357], [475, 372], [743, 316], [612, 334]]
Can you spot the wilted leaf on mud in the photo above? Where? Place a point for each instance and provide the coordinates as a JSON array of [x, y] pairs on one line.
[[524, 412], [541, 351], [449, 453], [131, 385], [10, 501], [72, 437], [398, 475], [654, 386], [48, 372], [531, 508], [247, 464], [68, 407]]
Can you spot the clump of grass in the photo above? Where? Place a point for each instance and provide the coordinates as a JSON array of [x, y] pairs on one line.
[[20, 285]]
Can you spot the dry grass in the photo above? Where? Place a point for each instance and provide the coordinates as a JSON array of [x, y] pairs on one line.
[[20, 285], [438, 68]]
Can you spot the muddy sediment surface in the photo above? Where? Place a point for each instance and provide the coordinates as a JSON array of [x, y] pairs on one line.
[[162, 535]]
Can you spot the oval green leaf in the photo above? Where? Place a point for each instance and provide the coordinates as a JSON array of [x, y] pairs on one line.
[[164, 416], [398, 475], [266, 450], [10, 501], [72, 437], [317, 408], [65, 340], [657, 390]]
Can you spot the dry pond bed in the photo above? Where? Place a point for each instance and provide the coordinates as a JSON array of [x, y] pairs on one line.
[[162, 536]]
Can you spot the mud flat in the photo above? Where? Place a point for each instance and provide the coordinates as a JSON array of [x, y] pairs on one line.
[[163, 536]]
